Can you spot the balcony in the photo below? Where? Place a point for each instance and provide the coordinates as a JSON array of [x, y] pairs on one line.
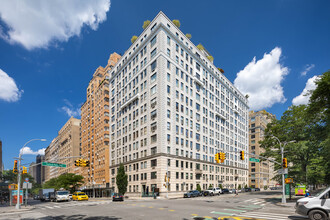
[[198, 80], [199, 171], [217, 112], [136, 96]]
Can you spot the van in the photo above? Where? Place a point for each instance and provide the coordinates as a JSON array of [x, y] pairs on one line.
[[315, 207]]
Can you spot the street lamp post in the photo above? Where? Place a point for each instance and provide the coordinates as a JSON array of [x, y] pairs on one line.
[[282, 153], [18, 204]]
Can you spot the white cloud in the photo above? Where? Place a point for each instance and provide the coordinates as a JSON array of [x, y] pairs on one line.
[[38, 23], [8, 88], [70, 110], [304, 96], [27, 150], [261, 80], [308, 67]]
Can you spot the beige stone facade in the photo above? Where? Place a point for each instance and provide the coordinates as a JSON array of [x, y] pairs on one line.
[[65, 149], [261, 173], [95, 127], [172, 110]]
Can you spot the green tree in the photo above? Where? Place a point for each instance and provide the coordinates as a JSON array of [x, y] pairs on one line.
[[121, 180], [133, 39], [198, 187], [52, 183], [9, 176], [176, 23], [239, 186], [188, 36], [319, 110], [68, 181], [220, 186]]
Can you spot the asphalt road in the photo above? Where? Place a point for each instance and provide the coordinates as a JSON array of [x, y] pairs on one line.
[[256, 205]]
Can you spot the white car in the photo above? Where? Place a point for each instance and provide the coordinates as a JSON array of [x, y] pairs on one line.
[[315, 207], [214, 191]]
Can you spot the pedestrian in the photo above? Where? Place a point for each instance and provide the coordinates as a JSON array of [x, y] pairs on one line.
[[307, 193], [236, 190]]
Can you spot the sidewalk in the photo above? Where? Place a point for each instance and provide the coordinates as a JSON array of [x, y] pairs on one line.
[[12, 209]]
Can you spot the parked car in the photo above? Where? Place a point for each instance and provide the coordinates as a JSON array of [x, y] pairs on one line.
[[70, 196], [225, 191], [248, 190], [315, 207], [207, 193], [214, 191], [79, 196], [36, 197], [257, 189], [192, 193], [232, 190], [117, 197]]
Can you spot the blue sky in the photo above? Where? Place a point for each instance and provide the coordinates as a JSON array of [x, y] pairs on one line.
[[272, 50]]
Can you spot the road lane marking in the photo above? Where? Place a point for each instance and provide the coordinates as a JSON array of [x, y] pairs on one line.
[[171, 210], [161, 208], [150, 207], [235, 210], [194, 214], [142, 206], [222, 213]]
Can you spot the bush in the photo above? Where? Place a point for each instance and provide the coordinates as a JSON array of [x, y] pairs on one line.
[[246, 186], [210, 58], [188, 36], [239, 186], [145, 24], [220, 186], [198, 187], [133, 39], [176, 23], [200, 47], [265, 187]]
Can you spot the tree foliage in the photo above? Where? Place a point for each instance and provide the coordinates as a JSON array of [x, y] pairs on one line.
[[308, 126], [198, 187], [188, 36], [68, 181], [145, 24], [133, 39], [210, 58], [121, 180], [176, 23]]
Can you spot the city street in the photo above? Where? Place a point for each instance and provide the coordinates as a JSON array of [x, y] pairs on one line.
[[256, 205]]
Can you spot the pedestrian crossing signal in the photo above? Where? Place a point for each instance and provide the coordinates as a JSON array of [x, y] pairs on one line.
[[24, 171]]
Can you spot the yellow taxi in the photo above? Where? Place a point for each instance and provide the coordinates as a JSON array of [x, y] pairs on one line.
[[78, 196]]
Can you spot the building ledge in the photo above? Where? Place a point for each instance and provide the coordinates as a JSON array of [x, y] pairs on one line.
[[136, 96]]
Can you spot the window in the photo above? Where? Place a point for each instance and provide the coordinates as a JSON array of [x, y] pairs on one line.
[[154, 138], [168, 114], [153, 163], [154, 65], [168, 126], [168, 40], [153, 127], [153, 114], [153, 175], [153, 150], [153, 53], [168, 65], [168, 77], [153, 90], [153, 41], [168, 52], [168, 89], [253, 125], [153, 77]]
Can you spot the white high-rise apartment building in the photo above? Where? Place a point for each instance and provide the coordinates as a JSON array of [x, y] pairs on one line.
[[172, 110]]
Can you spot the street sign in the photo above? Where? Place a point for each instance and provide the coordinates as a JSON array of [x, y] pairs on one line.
[[12, 186], [27, 185], [283, 171], [26, 179], [254, 160], [53, 164]]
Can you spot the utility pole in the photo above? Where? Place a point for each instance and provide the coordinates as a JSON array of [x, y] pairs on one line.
[[18, 204]]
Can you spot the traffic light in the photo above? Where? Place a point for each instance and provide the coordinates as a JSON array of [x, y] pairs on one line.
[[217, 157], [24, 171], [87, 163], [285, 163], [77, 163], [222, 156], [15, 170], [242, 155]]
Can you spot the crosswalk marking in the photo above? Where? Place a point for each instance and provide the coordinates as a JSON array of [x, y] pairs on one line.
[[270, 216], [222, 213]]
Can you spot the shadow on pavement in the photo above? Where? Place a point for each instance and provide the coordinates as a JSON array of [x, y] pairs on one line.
[[75, 217]]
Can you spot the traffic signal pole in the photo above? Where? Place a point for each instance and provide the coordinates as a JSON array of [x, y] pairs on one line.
[[18, 204], [283, 182]]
